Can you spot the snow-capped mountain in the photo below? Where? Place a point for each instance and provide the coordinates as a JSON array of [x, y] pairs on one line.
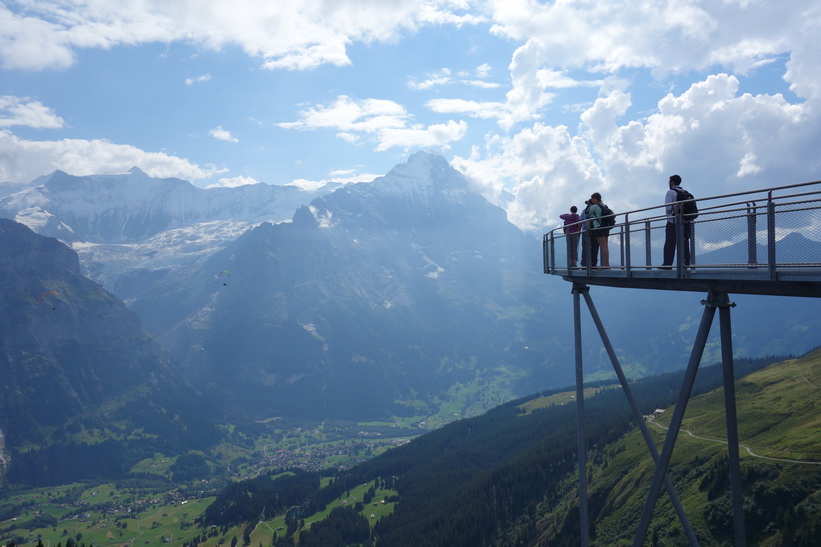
[[125, 221]]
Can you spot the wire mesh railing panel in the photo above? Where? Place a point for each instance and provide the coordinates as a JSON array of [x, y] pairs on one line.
[[757, 230]]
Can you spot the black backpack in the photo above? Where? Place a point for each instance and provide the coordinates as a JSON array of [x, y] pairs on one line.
[[689, 209], [608, 218]]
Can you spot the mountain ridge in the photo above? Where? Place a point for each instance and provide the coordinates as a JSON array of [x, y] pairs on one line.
[[74, 361]]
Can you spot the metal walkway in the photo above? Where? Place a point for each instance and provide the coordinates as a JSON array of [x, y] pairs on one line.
[[764, 242]]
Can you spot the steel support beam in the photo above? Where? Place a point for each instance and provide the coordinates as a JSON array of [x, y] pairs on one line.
[[651, 447], [675, 423], [581, 438], [715, 301], [733, 458]]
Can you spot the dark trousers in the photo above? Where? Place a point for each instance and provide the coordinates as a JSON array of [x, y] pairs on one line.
[[588, 241], [573, 248], [670, 242]]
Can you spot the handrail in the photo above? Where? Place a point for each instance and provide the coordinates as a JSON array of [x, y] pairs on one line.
[[725, 236]]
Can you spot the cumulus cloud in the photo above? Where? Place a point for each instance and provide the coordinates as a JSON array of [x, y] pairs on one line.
[[24, 160], [719, 140], [17, 111]]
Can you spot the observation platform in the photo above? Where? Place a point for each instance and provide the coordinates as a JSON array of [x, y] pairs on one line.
[[764, 242], [758, 242]]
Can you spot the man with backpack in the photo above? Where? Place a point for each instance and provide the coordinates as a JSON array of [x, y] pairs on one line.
[[601, 222], [689, 212]]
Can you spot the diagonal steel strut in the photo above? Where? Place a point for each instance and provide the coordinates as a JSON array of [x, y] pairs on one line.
[[651, 447]]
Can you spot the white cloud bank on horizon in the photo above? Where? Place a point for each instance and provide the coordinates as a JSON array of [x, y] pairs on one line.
[[24, 160]]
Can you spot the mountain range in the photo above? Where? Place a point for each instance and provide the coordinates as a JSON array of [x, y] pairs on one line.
[[402, 296], [120, 223]]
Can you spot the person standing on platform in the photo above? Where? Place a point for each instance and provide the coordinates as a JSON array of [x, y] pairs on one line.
[[587, 239], [670, 235], [572, 233], [599, 232]]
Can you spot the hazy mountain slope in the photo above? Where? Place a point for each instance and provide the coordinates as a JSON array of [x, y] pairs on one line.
[[377, 293], [409, 290], [75, 364]]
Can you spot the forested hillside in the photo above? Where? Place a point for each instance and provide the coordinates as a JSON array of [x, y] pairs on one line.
[[507, 477]]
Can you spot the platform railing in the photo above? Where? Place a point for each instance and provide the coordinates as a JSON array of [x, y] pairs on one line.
[[758, 232]]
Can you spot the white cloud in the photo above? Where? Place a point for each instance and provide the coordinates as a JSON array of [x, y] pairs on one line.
[[222, 134], [718, 140], [445, 76], [233, 182], [524, 102], [545, 167], [346, 114], [386, 122], [437, 135], [23, 160], [486, 109], [666, 37], [483, 70], [198, 79], [290, 35], [342, 176], [17, 111]]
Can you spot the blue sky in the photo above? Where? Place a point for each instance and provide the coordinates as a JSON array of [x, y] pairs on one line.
[[538, 103]]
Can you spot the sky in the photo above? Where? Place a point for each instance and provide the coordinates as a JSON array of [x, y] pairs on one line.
[[538, 103]]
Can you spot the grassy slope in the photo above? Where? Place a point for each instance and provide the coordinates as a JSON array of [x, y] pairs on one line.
[[778, 417]]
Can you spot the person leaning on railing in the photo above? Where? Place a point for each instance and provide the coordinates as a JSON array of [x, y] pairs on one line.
[[572, 232]]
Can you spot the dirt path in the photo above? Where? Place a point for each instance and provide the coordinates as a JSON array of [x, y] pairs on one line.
[[745, 447]]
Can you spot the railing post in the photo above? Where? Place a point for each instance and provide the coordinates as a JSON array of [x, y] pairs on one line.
[[648, 251], [628, 263], [752, 219], [545, 257], [771, 235], [581, 438], [680, 240], [691, 242], [552, 252]]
